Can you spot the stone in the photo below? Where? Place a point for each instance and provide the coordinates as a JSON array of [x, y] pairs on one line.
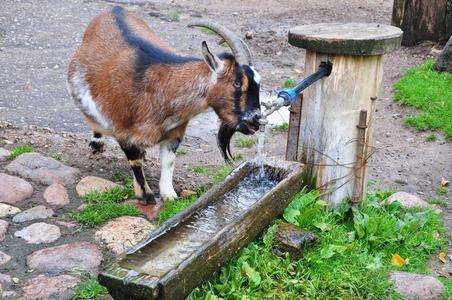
[[7, 210], [444, 61], [290, 238], [56, 194], [187, 193], [9, 295], [93, 183], [4, 258], [82, 256], [347, 38], [415, 287], [122, 233], [14, 189], [407, 200], [42, 169], [4, 154], [42, 287], [39, 233], [149, 210], [5, 281], [67, 224], [34, 213], [3, 229]]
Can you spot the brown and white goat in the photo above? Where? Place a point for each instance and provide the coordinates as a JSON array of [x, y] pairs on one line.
[[131, 85]]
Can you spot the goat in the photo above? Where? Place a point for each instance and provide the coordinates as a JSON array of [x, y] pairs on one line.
[[129, 84]]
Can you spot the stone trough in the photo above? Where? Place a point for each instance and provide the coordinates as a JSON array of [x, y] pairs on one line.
[[188, 248]]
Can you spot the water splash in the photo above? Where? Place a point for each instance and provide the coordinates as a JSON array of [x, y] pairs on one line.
[[263, 130]]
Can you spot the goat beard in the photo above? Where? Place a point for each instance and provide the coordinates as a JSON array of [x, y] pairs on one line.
[[224, 137]]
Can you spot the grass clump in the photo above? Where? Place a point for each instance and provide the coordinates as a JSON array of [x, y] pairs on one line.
[[281, 128], [175, 15], [208, 31], [246, 142], [437, 201], [442, 191], [429, 91], [431, 138], [104, 206], [218, 173], [89, 289], [351, 261], [19, 150], [173, 207], [289, 83]]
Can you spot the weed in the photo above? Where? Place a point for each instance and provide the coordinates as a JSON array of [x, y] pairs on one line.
[[89, 289], [351, 261], [175, 15], [218, 173], [208, 31], [281, 128], [437, 201], [118, 176], [431, 137], [237, 157], [442, 191], [429, 91], [173, 207], [289, 83], [180, 152], [246, 142], [201, 169], [18, 150]]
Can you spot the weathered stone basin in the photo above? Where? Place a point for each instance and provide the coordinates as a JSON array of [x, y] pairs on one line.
[[188, 248]]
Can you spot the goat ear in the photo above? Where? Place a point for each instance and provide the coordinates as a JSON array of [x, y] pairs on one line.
[[211, 59]]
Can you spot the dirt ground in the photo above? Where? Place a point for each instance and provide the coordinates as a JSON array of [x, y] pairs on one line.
[[38, 37]]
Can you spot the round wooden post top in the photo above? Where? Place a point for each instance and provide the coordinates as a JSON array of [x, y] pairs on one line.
[[347, 38]]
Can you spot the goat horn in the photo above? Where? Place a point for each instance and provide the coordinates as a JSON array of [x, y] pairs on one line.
[[239, 48]]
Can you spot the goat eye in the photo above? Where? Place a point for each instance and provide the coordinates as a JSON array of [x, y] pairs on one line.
[[237, 84]]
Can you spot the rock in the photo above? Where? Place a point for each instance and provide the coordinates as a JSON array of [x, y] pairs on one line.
[[187, 193], [290, 238], [92, 183], [149, 210], [56, 195], [4, 154], [415, 287], [42, 169], [3, 229], [66, 224], [16, 280], [43, 287], [407, 200], [9, 295], [82, 256], [5, 281], [122, 233], [8, 210], [14, 189], [37, 212], [249, 35], [444, 61], [39, 233], [4, 258]]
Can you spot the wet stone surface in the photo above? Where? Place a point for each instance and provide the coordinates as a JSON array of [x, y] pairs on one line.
[[82, 256], [39, 233], [290, 238], [34, 213], [14, 189], [42, 169]]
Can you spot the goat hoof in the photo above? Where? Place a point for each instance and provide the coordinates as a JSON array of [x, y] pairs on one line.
[[178, 190], [148, 199], [97, 147]]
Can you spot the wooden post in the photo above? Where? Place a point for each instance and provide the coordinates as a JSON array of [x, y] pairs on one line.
[[361, 159], [423, 20], [294, 129], [331, 107]]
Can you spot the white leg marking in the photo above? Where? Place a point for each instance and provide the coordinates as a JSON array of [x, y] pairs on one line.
[[167, 158], [97, 140]]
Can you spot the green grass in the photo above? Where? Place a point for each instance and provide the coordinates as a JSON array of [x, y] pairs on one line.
[[431, 138], [175, 15], [281, 128], [89, 289], [218, 173], [429, 91], [108, 205], [180, 152], [289, 83], [208, 31], [447, 294], [442, 191], [437, 201], [246, 142], [173, 207], [18, 150], [351, 261]]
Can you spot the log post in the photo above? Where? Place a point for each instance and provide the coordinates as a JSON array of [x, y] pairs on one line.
[[294, 129], [361, 159], [331, 108]]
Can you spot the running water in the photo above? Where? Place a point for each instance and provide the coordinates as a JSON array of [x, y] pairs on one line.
[[263, 130]]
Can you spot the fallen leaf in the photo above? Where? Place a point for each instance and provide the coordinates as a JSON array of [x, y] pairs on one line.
[[444, 182], [442, 257], [398, 261]]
